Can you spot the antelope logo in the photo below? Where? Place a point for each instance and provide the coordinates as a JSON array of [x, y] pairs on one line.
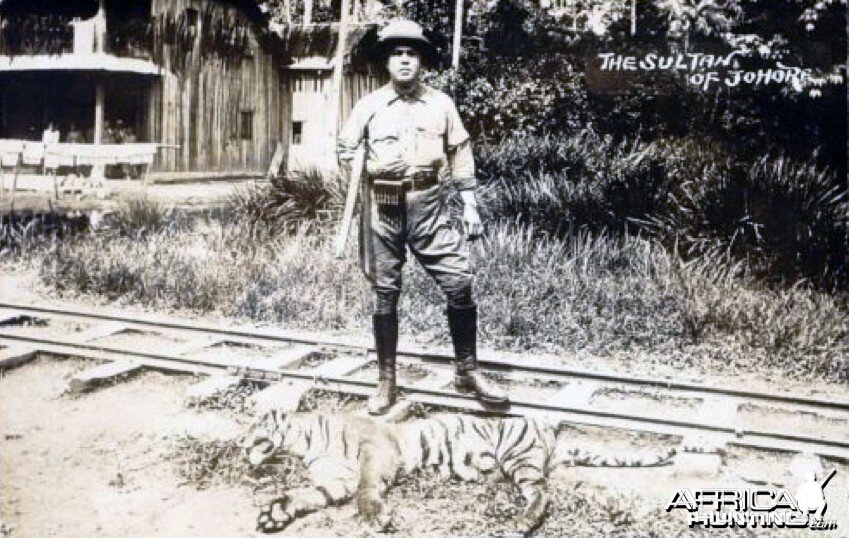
[[811, 494]]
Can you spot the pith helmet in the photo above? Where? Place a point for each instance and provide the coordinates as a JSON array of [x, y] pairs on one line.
[[405, 32]]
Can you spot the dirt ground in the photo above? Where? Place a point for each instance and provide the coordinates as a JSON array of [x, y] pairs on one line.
[[132, 459], [98, 465], [114, 462]]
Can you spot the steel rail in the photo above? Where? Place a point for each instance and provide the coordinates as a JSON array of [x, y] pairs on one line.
[[497, 363], [763, 439]]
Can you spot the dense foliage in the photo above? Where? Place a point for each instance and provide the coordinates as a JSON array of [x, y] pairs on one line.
[[785, 218], [755, 173], [524, 70]]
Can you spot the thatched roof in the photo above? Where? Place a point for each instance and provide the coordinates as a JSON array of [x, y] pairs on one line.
[[80, 8], [87, 8], [57, 12], [299, 41]]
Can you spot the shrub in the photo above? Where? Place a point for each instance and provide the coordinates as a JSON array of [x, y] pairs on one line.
[[559, 184], [786, 218], [499, 99], [24, 233], [137, 217], [289, 201], [585, 292]]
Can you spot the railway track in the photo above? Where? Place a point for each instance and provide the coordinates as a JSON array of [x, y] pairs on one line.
[[705, 418]]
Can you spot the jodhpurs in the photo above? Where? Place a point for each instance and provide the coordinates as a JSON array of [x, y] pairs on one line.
[[419, 221]]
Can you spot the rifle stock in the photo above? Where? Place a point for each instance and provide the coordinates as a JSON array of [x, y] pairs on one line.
[[350, 201]]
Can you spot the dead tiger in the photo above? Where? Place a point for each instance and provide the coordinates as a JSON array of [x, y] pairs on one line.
[[353, 456]]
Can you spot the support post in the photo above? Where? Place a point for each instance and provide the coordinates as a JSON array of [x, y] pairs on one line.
[[98, 171], [100, 28], [18, 164], [633, 17], [146, 177], [458, 35], [99, 99], [307, 12], [335, 98]]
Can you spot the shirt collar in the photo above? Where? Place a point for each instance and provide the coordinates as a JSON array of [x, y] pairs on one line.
[[392, 95]]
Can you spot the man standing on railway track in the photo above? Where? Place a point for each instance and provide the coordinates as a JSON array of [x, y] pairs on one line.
[[412, 135]]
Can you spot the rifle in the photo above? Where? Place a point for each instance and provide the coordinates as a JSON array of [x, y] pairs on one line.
[[357, 167]]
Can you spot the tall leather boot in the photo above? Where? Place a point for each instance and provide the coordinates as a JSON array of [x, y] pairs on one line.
[[463, 323], [386, 343]]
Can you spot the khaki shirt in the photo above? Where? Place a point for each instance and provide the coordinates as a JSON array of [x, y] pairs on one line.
[[422, 129]]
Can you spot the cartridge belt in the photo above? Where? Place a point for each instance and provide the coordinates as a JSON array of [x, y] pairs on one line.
[[418, 181], [389, 191]]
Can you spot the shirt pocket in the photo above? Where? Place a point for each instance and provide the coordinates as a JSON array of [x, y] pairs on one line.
[[383, 132], [430, 145]]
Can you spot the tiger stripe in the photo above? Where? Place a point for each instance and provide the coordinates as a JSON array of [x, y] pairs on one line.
[[357, 456]]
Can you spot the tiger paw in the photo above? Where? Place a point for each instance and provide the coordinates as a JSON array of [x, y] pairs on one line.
[[383, 523], [273, 517], [374, 511]]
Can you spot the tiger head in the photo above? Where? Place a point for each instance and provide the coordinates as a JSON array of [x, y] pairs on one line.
[[265, 438]]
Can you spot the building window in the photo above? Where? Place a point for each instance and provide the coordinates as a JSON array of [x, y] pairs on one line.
[[192, 18], [246, 127], [297, 133]]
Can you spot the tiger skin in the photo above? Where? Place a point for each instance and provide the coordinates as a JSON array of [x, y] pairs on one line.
[[360, 457]]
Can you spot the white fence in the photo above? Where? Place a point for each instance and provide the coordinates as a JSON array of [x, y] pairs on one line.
[[55, 154]]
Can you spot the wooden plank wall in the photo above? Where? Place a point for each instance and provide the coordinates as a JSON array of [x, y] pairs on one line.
[[308, 91], [355, 86], [200, 110]]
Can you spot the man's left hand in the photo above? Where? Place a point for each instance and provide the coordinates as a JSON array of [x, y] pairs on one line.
[[472, 224]]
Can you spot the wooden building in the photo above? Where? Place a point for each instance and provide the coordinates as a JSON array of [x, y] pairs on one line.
[[312, 137], [199, 77], [309, 33]]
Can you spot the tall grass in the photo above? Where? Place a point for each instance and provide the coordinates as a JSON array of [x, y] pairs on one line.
[[21, 233], [289, 201], [586, 292], [787, 219], [141, 216], [585, 181], [554, 271]]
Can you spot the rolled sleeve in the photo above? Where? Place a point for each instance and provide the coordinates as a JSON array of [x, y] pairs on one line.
[[455, 132], [462, 165], [461, 162]]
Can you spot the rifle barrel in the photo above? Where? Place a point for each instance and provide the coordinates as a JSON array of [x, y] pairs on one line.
[[350, 202]]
